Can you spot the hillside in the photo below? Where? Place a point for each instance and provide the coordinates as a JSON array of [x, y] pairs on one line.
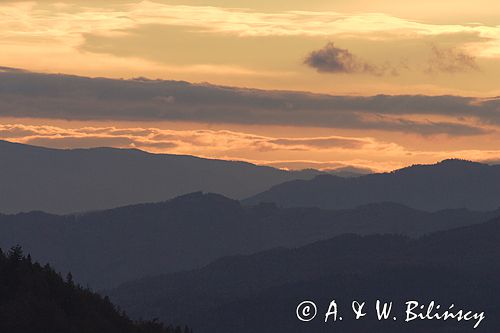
[[448, 184], [35, 299], [68, 181], [260, 292], [105, 248]]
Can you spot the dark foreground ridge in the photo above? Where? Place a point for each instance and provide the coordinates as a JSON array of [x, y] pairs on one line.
[[35, 299]]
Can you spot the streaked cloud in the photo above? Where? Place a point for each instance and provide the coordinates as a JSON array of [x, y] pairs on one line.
[[333, 59], [206, 143], [450, 60], [251, 47], [178, 140], [57, 96], [53, 20], [332, 152]]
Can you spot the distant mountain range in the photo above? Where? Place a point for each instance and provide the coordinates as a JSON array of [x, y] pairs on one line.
[[105, 248], [260, 292], [448, 184], [68, 181]]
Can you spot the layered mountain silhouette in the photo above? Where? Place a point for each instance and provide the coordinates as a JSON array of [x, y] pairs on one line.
[[448, 184], [35, 299], [67, 181], [260, 292], [105, 248]]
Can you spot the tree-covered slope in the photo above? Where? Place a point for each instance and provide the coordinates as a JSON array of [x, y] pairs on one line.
[[35, 299]]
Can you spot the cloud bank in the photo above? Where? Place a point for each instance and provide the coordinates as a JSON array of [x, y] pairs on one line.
[[57, 96]]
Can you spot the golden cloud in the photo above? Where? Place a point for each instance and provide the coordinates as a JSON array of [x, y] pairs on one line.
[[70, 23], [331, 152]]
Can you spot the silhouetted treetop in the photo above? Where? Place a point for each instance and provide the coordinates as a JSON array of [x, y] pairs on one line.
[[36, 299]]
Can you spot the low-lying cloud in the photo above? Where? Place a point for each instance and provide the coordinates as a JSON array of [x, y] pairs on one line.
[[178, 140], [205, 143], [330, 152]]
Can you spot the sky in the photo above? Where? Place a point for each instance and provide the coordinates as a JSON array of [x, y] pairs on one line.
[[291, 84]]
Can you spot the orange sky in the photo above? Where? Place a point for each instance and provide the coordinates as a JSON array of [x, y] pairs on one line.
[[342, 48]]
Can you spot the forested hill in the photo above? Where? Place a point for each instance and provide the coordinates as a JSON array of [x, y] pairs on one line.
[[35, 299], [260, 292], [109, 247], [75, 180], [448, 184]]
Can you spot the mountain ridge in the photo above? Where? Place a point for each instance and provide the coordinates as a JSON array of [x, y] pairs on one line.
[[106, 247], [450, 183], [75, 180], [447, 266]]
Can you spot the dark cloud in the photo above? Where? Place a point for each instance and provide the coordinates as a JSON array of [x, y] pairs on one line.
[[332, 59], [450, 60], [430, 127], [25, 94]]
